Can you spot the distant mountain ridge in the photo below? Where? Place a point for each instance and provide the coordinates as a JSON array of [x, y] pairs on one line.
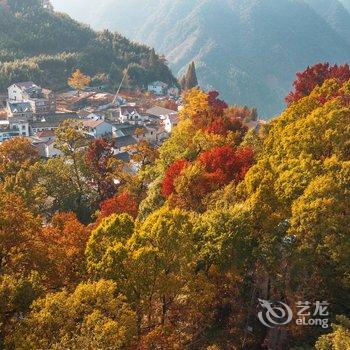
[[249, 50]]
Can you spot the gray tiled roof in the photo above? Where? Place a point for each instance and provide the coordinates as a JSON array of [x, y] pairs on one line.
[[20, 107]]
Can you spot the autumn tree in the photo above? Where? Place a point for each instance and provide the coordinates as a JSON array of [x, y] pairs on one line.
[[143, 153], [19, 235], [118, 204], [152, 264], [17, 292], [71, 141], [171, 175], [298, 184], [215, 168], [65, 240], [100, 161], [94, 316], [16, 154], [314, 76], [338, 339], [79, 81]]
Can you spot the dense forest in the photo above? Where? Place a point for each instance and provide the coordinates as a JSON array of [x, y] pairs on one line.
[[46, 47], [177, 255]]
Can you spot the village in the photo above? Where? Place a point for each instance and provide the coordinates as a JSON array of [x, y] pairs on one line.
[[125, 118], [31, 111]]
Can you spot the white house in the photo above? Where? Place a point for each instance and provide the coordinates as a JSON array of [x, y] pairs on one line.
[[42, 101], [160, 112], [50, 150], [158, 88], [97, 128], [50, 122], [45, 146], [46, 135], [20, 124], [129, 114], [23, 91], [171, 120]]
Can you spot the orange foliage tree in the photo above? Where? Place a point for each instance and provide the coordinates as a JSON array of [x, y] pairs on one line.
[[19, 233], [16, 154], [65, 240]]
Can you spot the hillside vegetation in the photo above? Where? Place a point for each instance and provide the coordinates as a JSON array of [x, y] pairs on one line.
[[177, 255], [46, 47]]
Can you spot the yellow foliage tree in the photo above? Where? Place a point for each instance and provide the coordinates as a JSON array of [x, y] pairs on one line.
[[79, 81]]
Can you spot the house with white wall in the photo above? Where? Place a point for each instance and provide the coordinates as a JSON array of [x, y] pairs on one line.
[[170, 122], [158, 88], [42, 101], [169, 117], [97, 128], [129, 114]]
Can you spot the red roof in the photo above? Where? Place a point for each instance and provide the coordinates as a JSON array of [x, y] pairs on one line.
[[45, 133], [91, 123]]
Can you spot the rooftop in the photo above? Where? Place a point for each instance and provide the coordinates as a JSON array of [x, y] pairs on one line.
[[129, 110], [92, 123], [19, 107], [160, 111], [27, 85], [125, 141], [45, 133], [159, 83], [53, 120]]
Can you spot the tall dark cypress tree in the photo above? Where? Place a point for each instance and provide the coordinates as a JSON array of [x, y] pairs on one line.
[[183, 82], [191, 77], [189, 80]]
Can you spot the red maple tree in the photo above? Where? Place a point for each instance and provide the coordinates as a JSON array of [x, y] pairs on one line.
[[171, 174], [315, 76], [225, 164], [119, 204]]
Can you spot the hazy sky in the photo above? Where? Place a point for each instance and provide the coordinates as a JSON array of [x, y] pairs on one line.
[[79, 9]]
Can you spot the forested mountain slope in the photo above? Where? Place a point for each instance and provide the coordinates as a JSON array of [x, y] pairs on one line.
[[43, 46], [335, 14], [248, 49]]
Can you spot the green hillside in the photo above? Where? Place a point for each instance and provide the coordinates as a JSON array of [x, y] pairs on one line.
[[36, 44]]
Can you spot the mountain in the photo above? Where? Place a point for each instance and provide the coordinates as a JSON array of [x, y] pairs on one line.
[[44, 46], [335, 14], [247, 49]]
